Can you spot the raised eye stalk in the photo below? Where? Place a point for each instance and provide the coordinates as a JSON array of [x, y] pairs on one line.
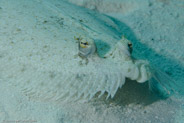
[[87, 47]]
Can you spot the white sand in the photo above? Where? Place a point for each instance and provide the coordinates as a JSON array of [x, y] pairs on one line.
[[132, 103]]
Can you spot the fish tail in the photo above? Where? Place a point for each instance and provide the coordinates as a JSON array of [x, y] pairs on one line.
[[161, 84]]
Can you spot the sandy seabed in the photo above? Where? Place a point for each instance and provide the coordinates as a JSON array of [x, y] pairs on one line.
[[156, 29]]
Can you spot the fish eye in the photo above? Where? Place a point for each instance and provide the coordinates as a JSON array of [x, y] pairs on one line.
[[130, 45], [84, 44]]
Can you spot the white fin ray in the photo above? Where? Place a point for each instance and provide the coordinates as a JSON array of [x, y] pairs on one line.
[[82, 86], [122, 80], [110, 82], [99, 88], [58, 93], [114, 87], [86, 91], [66, 92], [95, 86], [92, 89], [74, 88]]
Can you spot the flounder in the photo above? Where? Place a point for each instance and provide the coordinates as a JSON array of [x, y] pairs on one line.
[[63, 52]]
